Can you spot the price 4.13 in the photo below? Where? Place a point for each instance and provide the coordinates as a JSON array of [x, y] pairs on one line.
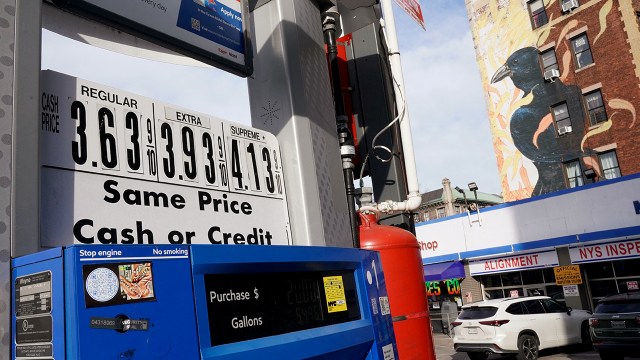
[[254, 167]]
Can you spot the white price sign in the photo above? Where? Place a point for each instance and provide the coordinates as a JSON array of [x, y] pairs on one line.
[[122, 168]]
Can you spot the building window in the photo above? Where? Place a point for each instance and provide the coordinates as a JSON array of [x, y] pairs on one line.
[[574, 173], [567, 5], [595, 105], [582, 51], [538, 13], [562, 118], [609, 164], [549, 61], [440, 212]]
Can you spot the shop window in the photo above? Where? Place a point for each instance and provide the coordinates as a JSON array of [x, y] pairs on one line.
[[574, 173], [623, 284], [514, 292], [491, 281], [595, 106], [533, 307], [599, 270], [601, 288], [532, 277], [494, 294], [609, 164], [629, 267], [581, 51], [555, 292], [511, 279], [561, 117], [538, 13], [549, 276], [549, 60]]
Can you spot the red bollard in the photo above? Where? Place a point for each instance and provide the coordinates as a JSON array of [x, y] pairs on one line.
[[403, 274]]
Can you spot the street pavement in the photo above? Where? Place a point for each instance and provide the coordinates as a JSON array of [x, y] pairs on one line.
[[444, 351]]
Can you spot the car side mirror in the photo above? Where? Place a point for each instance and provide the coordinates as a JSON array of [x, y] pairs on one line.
[[569, 310]]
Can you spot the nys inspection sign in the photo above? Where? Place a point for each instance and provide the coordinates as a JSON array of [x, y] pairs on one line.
[[119, 168]]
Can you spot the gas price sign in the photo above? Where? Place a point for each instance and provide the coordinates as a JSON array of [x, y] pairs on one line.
[[119, 168]]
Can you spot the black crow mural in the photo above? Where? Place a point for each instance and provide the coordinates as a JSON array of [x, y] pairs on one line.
[[532, 126]]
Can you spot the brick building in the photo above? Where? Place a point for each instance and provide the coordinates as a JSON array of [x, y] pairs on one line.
[[562, 84], [449, 201]]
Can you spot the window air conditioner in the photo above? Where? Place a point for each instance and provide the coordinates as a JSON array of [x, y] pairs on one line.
[[569, 5], [564, 130], [549, 75]]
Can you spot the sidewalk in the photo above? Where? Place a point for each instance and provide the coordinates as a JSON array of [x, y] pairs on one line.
[[443, 345]]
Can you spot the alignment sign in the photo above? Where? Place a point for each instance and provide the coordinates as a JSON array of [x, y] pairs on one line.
[[118, 168]]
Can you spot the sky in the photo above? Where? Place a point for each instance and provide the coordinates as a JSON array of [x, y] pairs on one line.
[[450, 128]]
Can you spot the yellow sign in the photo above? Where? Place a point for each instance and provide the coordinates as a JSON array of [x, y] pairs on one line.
[[567, 275], [334, 294]]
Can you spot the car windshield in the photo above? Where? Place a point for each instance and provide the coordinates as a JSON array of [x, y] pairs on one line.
[[477, 312], [610, 307]]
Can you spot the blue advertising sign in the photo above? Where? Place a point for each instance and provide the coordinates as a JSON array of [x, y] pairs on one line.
[[211, 31]]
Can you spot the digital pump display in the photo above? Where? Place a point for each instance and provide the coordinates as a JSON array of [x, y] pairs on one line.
[[248, 306]]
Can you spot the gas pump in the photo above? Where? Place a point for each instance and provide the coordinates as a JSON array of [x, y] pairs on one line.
[[201, 302]]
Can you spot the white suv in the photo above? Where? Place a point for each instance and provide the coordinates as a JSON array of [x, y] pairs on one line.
[[521, 325]]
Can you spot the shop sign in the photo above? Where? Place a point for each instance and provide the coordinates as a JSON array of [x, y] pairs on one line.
[[607, 251], [632, 285], [446, 287], [567, 275], [513, 263], [570, 290]]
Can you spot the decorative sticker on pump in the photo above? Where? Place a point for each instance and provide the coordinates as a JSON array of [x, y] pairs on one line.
[[120, 283], [119, 168]]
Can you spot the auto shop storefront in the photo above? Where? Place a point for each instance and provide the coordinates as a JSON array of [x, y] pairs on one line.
[[512, 249], [523, 274], [608, 268]]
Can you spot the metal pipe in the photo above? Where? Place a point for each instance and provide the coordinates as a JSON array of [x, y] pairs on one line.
[[330, 20]]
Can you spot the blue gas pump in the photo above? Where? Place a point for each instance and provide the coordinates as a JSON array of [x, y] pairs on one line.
[[201, 302]]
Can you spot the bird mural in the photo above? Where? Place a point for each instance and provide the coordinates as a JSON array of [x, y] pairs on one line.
[[532, 125]]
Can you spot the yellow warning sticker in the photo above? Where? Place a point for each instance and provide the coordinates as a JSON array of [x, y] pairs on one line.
[[334, 293]]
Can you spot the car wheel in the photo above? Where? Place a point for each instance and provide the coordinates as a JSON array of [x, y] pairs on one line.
[[585, 335], [478, 355], [610, 356], [527, 347]]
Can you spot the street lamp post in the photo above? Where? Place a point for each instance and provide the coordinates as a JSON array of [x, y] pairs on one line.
[[474, 187], [466, 203]]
